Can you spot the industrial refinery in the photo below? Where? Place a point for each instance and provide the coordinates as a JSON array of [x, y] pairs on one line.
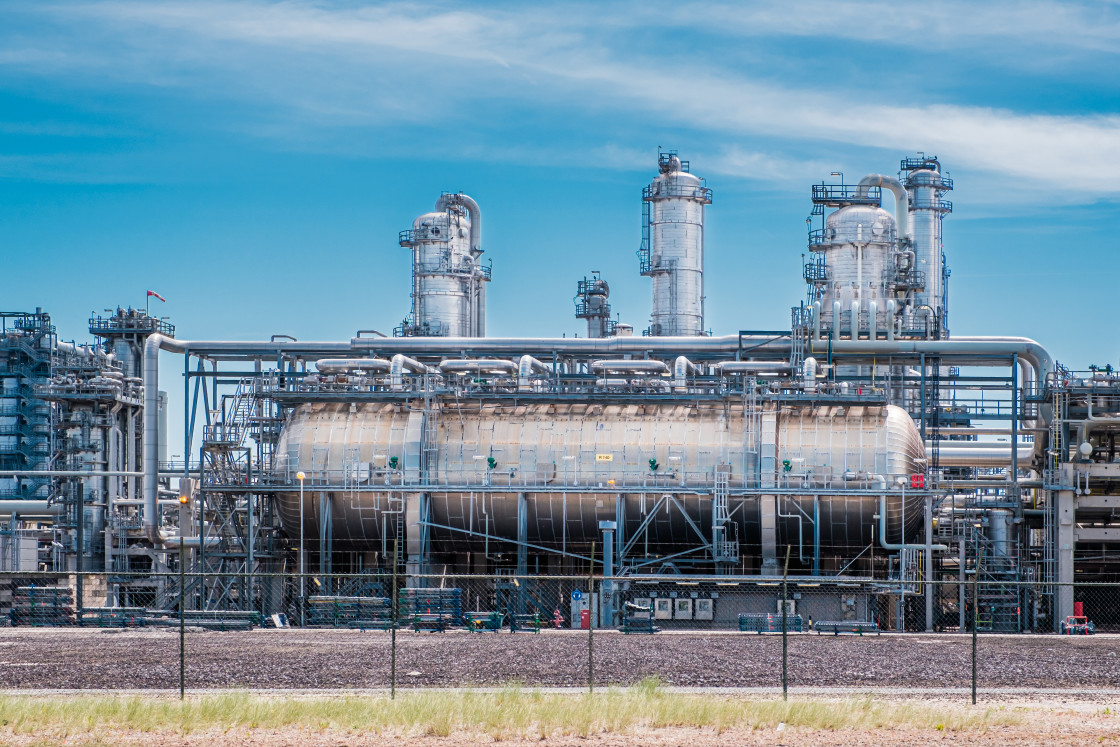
[[865, 440]]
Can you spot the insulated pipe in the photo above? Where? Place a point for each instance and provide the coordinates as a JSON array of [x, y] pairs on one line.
[[345, 365], [152, 346], [30, 509], [448, 200], [479, 366], [901, 198], [398, 365], [1088, 424], [892, 546], [816, 320], [732, 368], [809, 374], [173, 543], [682, 367], [527, 365], [999, 455], [972, 350], [647, 367], [892, 310], [873, 320], [728, 345]]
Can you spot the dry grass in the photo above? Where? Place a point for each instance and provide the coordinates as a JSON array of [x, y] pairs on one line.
[[511, 712]]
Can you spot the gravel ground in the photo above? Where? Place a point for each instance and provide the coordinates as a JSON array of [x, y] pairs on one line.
[[317, 659]]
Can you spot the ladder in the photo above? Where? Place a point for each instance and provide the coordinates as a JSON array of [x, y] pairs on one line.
[[724, 550]]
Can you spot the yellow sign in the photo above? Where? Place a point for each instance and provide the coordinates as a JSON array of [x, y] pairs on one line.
[[604, 457]]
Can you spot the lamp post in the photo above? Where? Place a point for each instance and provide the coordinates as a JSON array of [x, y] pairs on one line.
[[302, 621]]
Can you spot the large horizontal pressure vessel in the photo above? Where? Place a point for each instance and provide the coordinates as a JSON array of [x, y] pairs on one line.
[[575, 463]]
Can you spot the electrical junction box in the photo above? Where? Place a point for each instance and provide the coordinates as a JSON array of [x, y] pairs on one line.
[[791, 607], [682, 609], [578, 606], [705, 609], [662, 609]]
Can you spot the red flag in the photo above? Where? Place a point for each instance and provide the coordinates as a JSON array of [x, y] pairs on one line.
[[153, 293]]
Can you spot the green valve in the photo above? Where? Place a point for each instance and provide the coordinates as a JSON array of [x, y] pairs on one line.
[[787, 465], [653, 465], [491, 462], [392, 462]]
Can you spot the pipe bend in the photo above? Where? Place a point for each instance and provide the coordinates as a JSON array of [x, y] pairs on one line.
[[901, 198], [460, 199]]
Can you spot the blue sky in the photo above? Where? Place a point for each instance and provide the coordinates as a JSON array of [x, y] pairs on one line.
[[253, 162]]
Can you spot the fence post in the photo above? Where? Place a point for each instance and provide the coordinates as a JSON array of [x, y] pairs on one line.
[[785, 643], [975, 621], [591, 622], [393, 624], [182, 622]]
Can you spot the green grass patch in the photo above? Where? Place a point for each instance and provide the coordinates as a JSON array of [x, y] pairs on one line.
[[502, 714]]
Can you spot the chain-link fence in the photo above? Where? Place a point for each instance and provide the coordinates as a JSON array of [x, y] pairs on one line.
[[380, 630]]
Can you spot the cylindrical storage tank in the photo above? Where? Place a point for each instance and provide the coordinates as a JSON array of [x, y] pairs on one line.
[[581, 463], [443, 274], [858, 250], [676, 247], [927, 209]]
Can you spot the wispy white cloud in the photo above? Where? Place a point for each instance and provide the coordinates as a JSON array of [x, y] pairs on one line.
[[429, 65]]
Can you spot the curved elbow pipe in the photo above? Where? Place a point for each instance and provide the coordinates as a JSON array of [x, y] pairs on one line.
[[900, 546], [901, 198], [527, 365], [150, 459], [809, 374], [682, 367], [462, 200], [398, 365]]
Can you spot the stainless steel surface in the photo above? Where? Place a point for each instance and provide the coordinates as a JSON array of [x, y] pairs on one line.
[[926, 212], [579, 458], [677, 200], [859, 250], [448, 293]]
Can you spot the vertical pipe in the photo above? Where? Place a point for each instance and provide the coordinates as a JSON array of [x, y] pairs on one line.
[[300, 476], [81, 511], [182, 616], [923, 397], [929, 564], [591, 622], [817, 536], [606, 603], [1014, 418], [960, 589]]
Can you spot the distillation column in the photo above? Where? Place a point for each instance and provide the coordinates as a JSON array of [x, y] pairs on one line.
[[673, 248], [925, 184], [592, 305], [448, 279]]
